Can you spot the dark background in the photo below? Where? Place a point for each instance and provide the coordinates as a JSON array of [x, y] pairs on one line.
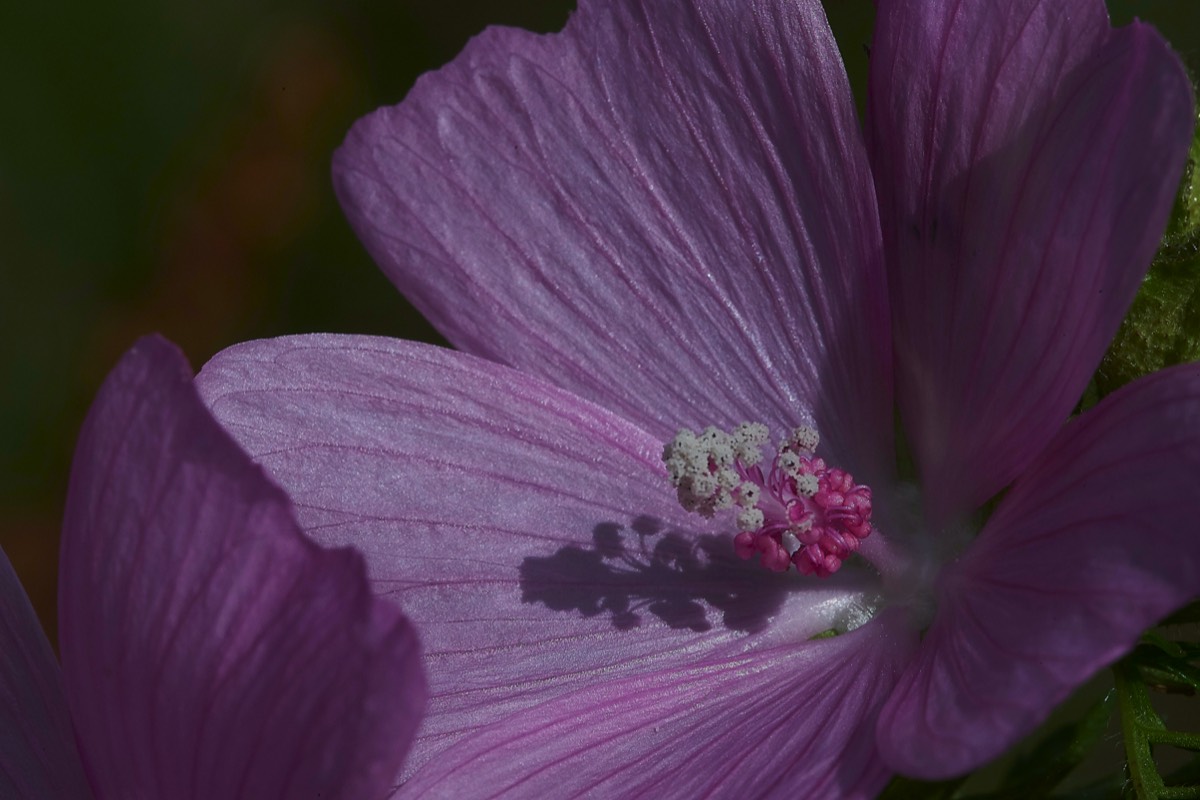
[[164, 166]]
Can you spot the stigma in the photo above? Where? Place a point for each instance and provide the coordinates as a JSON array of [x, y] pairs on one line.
[[791, 509]]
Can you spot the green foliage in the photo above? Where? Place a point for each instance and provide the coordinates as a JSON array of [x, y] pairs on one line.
[[1185, 216], [1163, 326], [1039, 771], [1151, 663], [902, 788], [1188, 615], [1034, 772]]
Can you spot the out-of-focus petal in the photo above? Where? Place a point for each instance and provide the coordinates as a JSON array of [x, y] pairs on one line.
[[665, 209], [532, 536], [38, 759], [793, 721], [208, 649], [1093, 544], [1025, 157]]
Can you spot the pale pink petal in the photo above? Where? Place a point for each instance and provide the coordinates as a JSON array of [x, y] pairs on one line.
[[666, 209], [209, 650], [789, 722], [1096, 542], [38, 758], [532, 536], [1025, 156]]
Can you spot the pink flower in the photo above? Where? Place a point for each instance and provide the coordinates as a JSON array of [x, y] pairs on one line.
[[665, 217], [208, 649]]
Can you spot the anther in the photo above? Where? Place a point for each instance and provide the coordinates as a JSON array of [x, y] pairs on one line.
[[797, 511]]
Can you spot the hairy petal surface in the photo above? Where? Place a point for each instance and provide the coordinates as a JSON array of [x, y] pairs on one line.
[[1096, 542], [790, 721], [38, 758], [665, 209], [532, 536], [1026, 156], [208, 649]]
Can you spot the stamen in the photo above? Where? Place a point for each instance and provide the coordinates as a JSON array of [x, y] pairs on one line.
[[798, 512]]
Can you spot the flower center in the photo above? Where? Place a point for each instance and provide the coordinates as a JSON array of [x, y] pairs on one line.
[[796, 510]]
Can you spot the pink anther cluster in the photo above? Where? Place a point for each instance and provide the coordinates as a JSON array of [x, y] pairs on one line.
[[814, 532], [796, 511]]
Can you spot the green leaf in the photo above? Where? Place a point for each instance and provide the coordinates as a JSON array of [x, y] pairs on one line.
[[902, 788], [1188, 615], [1143, 729], [1163, 325], [1044, 767], [1188, 774], [1110, 787], [1165, 665], [1185, 215], [1138, 720]]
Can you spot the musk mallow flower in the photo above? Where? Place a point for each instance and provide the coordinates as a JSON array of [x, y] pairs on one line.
[[208, 649], [657, 539]]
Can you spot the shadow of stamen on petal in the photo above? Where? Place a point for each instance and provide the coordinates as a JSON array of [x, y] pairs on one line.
[[686, 581]]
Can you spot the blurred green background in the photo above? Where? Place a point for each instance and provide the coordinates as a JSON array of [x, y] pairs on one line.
[[165, 167]]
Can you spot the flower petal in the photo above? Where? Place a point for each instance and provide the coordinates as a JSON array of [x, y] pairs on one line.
[[666, 209], [1026, 156], [1091, 546], [793, 721], [532, 536], [38, 758], [208, 649]]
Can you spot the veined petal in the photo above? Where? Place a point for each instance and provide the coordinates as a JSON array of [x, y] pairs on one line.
[[531, 535], [665, 209], [1026, 156], [208, 649], [38, 758], [792, 721], [1096, 542]]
